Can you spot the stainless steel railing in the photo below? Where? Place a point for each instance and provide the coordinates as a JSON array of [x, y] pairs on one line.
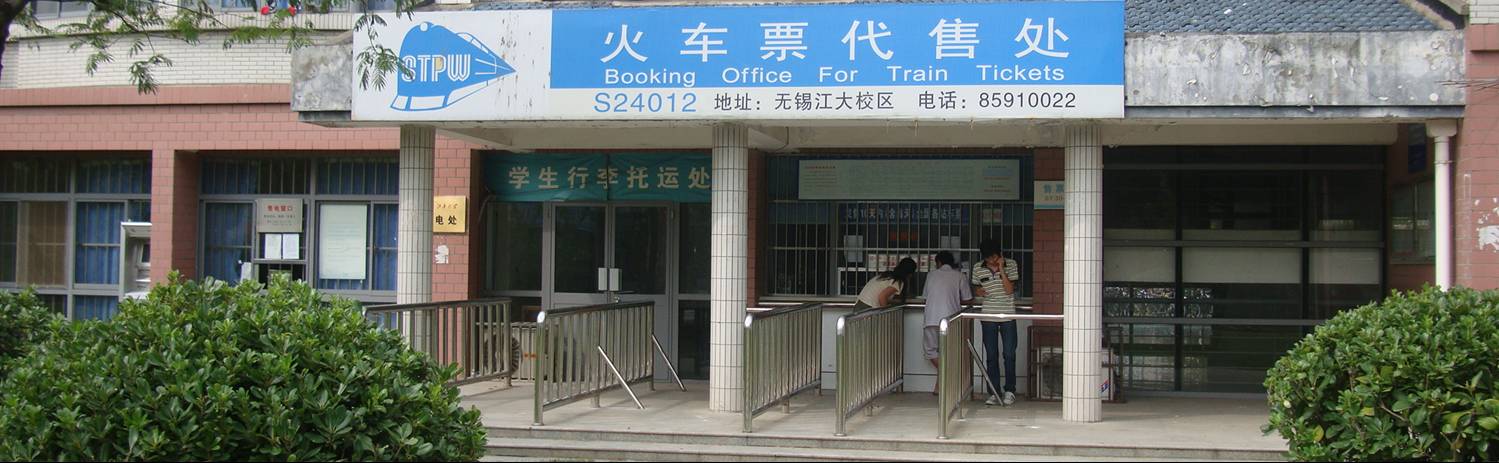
[[870, 364], [955, 370], [782, 357], [475, 335], [958, 360], [582, 352]]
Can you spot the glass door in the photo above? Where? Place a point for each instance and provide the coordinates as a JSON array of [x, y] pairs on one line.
[[634, 240], [579, 247], [643, 253]]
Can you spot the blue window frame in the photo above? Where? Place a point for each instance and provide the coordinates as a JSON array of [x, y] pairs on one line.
[[227, 239], [64, 204], [270, 176], [113, 177], [382, 249], [358, 176], [95, 307], [230, 186], [96, 259]]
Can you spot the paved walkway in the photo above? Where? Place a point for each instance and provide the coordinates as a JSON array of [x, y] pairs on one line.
[[1146, 422]]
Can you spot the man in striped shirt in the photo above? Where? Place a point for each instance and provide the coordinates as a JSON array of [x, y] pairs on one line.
[[997, 279]]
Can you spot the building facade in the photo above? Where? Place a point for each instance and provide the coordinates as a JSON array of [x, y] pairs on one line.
[[1261, 168]]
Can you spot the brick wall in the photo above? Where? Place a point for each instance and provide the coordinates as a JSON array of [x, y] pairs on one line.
[[451, 176], [253, 118], [47, 63], [238, 126], [1046, 289], [174, 213], [759, 196], [1476, 170]]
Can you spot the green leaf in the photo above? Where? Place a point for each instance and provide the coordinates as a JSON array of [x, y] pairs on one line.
[[277, 373], [1451, 419], [1488, 422], [1401, 405]]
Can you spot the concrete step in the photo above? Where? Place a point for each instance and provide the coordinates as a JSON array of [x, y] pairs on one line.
[[559, 449], [638, 444]]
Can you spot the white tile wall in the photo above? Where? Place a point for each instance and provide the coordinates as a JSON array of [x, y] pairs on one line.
[[730, 265], [48, 63], [1082, 277], [414, 248]]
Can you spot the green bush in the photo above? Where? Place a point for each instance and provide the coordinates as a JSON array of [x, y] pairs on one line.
[[211, 372], [1412, 378], [24, 322]]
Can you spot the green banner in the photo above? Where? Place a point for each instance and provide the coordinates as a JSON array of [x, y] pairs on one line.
[[678, 177]]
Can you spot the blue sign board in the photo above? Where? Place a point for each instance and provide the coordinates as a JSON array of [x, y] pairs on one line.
[[674, 177], [862, 45], [926, 61]]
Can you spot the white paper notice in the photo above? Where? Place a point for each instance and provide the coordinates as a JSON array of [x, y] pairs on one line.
[[855, 245], [291, 244], [271, 248], [342, 241]]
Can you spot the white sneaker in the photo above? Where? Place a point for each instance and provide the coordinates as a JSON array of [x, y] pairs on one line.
[[1009, 398], [993, 400]]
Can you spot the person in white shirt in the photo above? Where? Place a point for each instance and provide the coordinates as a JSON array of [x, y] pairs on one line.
[[883, 288], [997, 279], [947, 290]]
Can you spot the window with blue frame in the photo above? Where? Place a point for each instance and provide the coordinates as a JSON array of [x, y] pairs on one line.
[[97, 233], [381, 234], [266, 176], [365, 177], [227, 239], [8, 241], [95, 307], [230, 188], [54, 9], [60, 218], [96, 255]]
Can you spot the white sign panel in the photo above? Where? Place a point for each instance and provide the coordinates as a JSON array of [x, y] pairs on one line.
[[1050, 194], [910, 179], [954, 61], [278, 216], [342, 241]]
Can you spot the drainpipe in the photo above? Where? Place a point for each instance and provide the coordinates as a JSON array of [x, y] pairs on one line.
[[1441, 132]]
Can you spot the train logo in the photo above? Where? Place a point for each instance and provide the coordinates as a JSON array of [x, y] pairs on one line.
[[446, 67]]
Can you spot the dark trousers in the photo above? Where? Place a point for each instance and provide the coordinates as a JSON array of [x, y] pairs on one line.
[[992, 333]]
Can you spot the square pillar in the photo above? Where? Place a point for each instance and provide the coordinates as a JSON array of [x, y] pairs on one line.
[[1082, 277], [730, 266], [414, 238], [174, 213]]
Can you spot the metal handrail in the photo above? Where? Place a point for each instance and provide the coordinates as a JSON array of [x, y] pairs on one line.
[[956, 363], [782, 357], [473, 334], [869, 363], [958, 359], [567, 339]]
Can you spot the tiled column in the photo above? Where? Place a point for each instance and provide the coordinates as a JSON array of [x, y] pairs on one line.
[[414, 245], [730, 263], [1082, 277]]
